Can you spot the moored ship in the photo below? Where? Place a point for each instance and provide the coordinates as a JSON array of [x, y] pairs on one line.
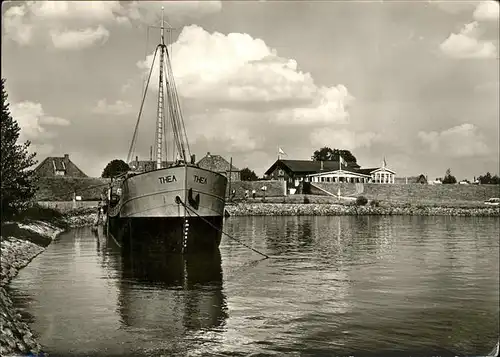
[[178, 204]]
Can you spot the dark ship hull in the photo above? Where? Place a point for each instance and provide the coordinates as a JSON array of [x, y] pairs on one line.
[[179, 207]]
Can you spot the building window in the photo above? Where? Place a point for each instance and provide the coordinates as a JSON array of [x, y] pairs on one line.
[[280, 172], [60, 173]]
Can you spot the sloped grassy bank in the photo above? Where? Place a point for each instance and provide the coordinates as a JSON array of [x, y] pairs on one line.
[[322, 209], [20, 242]]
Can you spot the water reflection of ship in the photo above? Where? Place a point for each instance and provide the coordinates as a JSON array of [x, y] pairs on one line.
[[171, 293]]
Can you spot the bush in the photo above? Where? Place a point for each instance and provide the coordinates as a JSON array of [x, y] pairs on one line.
[[39, 213], [361, 201], [374, 203]]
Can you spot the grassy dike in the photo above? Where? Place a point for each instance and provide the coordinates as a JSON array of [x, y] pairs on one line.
[[301, 209], [311, 205], [20, 242]]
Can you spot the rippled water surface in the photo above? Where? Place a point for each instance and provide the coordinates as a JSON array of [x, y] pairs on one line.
[[333, 286]]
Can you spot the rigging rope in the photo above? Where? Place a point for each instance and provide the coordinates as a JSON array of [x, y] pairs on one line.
[[145, 57], [220, 230], [173, 116], [130, 154], [177, 104], [180, 140], [134, 137]]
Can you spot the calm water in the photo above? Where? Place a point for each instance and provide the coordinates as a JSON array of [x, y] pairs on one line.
[[334, 286]]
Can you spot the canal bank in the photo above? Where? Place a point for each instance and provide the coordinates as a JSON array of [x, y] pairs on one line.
[[320, 209], [20, 243]]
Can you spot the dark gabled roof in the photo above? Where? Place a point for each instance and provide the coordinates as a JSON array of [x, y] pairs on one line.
[[352, 165], [367, 171], [216, 163], [304, 166]]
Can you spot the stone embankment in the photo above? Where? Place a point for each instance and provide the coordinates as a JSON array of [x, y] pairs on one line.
[[19, 244], [277, 209]]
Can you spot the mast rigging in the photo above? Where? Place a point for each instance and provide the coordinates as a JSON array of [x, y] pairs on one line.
[[166, 82]]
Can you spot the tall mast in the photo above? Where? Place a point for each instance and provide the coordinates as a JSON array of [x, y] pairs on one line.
[[159, 120]]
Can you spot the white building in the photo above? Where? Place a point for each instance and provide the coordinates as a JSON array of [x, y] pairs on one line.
[[373, 175]]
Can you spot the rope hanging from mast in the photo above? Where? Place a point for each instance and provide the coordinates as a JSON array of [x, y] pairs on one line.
[[134, 137]]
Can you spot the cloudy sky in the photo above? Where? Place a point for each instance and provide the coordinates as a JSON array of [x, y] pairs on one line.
[[414, 81]]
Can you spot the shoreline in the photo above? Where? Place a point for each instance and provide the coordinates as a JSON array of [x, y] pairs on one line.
[[322, 209], [20, 243]]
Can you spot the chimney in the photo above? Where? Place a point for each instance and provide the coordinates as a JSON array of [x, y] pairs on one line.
[[66, 157], [321, 165], [193, 159], [208, 154]]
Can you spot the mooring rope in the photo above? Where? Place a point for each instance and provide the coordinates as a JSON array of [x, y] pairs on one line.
[[220, 230]]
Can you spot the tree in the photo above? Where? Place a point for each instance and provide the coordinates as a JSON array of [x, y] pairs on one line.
[[248, 175], [327, 154], [449, 178], [115, 168], [18, 181], [488, 179]]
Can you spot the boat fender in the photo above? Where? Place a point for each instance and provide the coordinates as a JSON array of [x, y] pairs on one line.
[[178, 200]]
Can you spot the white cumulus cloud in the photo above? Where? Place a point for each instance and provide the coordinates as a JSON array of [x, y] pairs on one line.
[[459, 141], [15, 26], [227, 126], [236, 69], [71, 10], [75, 40], [89, 21], [467, 44], [36, 125], [117, 108], [487, 11]]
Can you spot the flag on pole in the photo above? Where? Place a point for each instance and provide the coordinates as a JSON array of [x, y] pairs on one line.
[[280, 151], [385, 163], [342, 161]]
